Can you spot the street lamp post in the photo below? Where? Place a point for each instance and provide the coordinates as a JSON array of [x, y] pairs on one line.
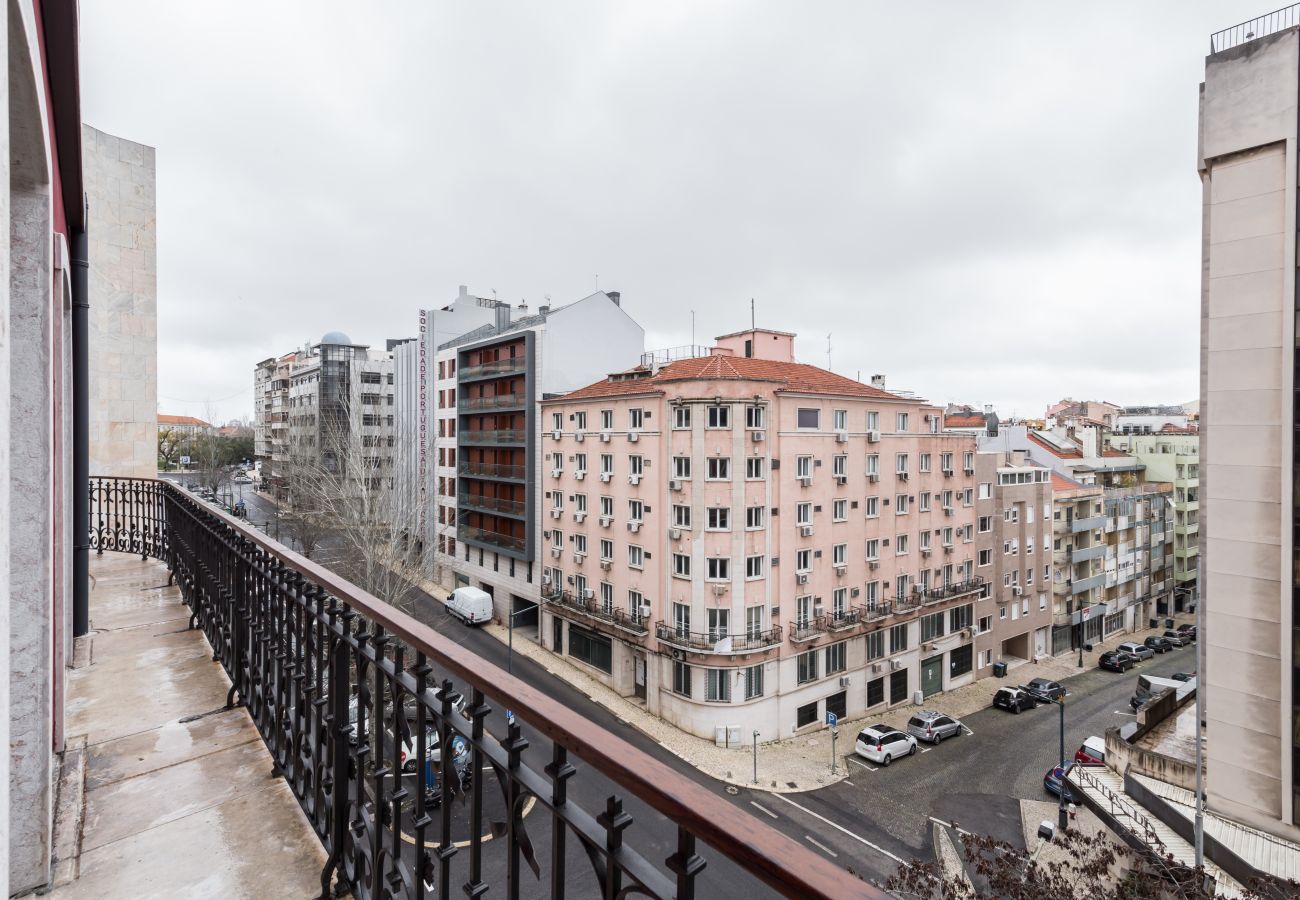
[[756, 757], [1063, 816]]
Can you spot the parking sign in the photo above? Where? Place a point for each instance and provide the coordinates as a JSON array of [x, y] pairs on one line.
[[832, 720]]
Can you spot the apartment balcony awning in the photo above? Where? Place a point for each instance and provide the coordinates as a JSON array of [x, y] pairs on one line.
[[248, 661]]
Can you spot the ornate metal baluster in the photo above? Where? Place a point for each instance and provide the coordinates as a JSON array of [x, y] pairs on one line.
[[560, 771], [479, 710], [514, 745], [686, 864]]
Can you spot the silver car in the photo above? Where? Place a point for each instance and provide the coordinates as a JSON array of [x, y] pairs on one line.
[[1141, 651], [932, 726]]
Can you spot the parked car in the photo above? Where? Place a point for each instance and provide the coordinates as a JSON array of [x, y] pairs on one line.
[[884, 743], [1054, 782], [1158, 644], [1116, 661], [1092, 752], [1047, 688], [1141, 651], [1188, 630], [932, 726], [1177, 638], [1014, 699]]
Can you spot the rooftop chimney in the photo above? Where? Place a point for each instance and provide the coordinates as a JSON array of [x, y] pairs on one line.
[[616, 296], [988, 409], [878, 381], [503, 316], [544, 308]]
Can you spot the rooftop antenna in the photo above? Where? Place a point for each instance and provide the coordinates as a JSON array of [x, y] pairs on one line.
[[597, 281], [828, 353], [692, 328], [753, 326]]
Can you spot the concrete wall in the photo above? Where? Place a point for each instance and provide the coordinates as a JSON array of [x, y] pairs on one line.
[[120, 189], [586, 341], [1248, 169]]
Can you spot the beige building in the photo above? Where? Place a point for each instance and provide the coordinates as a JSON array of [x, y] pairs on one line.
[[120, 199], [1013, 539], [1248, 162]]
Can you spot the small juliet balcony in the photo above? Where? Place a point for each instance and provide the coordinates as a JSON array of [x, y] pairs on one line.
[[259, 726]]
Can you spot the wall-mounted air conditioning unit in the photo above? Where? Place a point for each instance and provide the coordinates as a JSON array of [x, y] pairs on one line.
[[802, 578], [556, 473], [873, 437], [844, 681], [634, 526], [579, 516], [947, 473], [841, 479], [895, 665], [579, 436], [1017, 590], [580, 474], [606, 476], [556, 551], [605, 564], [841, 437], [633, 437], [841, 569], [925, 551], [645, 611], [756, 436], [634, 479], [604, 437], [606, 521], [555, 435], [805, 481], [902, 476], [719, 590], [556, 512], [805, 530], [674, 534], [873, 477], [877, 668], [588, 594], [674, 485], [873, 564]]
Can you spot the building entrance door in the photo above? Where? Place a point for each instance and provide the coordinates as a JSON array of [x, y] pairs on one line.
[[638, 677], [931, 676]]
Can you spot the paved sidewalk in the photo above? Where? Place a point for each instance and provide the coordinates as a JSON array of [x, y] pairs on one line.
[[801, 762]]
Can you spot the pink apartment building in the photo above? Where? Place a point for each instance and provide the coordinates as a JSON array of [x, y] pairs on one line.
[[747, 543]]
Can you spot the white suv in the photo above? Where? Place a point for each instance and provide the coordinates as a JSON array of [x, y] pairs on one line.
[[883, 744]]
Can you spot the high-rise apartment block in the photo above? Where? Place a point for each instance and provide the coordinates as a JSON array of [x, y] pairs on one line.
[[1247, 159], [749, 543]]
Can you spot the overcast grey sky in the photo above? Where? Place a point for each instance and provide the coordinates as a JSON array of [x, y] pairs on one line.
[[989, 202]]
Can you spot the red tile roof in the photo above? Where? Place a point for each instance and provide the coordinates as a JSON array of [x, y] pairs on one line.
[[789, 377], [164, 419], [976, 420], [1061, 483]]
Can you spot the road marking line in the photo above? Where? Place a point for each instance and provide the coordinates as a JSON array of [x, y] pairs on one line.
[[863, 765], [927, 749], [968, 731], [819, 844], [764, 809], [849, 783], [1118, 713], [948, 825], [856, 837]]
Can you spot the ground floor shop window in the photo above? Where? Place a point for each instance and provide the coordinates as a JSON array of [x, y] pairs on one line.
[[1061, 639], [959, 661], [805, 715], [593, 649], [1115, 623], [838, 704], [875, 692]]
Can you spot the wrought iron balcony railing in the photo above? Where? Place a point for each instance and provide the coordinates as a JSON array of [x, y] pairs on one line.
[[592, 608], [330, 674], [718, 641], [947, 591]]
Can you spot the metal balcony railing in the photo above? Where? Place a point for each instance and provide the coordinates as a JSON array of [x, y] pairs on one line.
[[598, 610], [500, 401], [1253, 29], [326, 671], [491, 538], [492, 470], [718, 641], [507, 507], [948, 591], [492, 436], [492, 369]]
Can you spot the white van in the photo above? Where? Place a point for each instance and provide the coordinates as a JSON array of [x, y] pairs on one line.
[[471, 605]]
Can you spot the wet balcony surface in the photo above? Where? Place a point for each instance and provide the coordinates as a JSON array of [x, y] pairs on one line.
[[179, 797]]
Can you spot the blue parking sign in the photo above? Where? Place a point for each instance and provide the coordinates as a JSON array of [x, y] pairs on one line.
[[832, 720]]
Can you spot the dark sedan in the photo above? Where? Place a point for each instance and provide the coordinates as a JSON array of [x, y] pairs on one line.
[[1116, 661], [1044, 687], [1158, 644], [1188, 631]]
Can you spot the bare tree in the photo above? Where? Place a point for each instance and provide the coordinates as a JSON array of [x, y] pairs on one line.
[[347, 487], [301, 515], [169, 447]]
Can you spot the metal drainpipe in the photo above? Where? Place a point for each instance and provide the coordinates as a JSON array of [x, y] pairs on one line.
[[80, 434]]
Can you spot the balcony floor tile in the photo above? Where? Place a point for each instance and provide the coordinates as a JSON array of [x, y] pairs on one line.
[[179, 800]]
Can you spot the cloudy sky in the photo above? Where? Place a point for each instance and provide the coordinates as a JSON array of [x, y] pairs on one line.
[[989, 202]]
